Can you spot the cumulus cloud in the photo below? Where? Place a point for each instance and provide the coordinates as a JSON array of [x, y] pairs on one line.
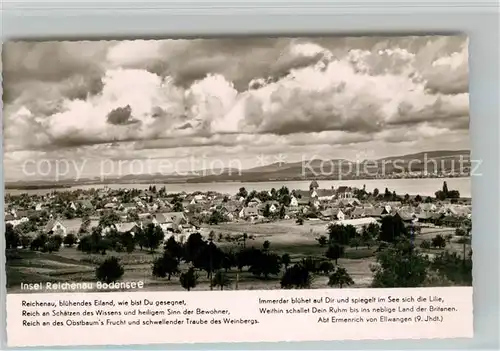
[[235, 95]]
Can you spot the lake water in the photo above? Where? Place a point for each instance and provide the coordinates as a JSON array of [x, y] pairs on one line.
[[421, 186]]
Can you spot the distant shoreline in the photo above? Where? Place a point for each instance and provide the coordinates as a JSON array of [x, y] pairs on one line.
[[58, 185]]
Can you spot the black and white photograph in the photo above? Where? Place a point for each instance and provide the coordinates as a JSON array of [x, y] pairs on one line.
[[239, 163]]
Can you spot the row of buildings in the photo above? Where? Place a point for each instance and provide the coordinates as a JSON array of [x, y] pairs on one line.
[[185, 213]]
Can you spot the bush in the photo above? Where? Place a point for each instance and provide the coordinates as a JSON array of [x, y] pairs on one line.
[[70, 240], [297, 277], [463, 240], [189, 279], [110, 270], [426, 245], [438, 241]]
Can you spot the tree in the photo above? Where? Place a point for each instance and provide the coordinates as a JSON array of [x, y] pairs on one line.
[[58, 240], [128, 241], [165, 266], [242, 192], [39, 242], [455, 268], [266, 245], [174, 248], [25, 241], [228, 260], [340, 277], [211, 235], [375, 192], [355, 242], [154, 236], [438, 242], [110, 270], [104, 245], [70, 240], [265, 265], [392, 228], [418, 198], [341, 234], [210, 258], [216, 217], [109, 220], [426, 245], [12, 237], [193, 246], [51, 245], [300, 221], [322, 240], [440, 195], [267, 211], [244, 238], [177, 206], [370, 233], [326, 267], [221, 280], [400, 265], [285, 260], [297, 277], [84, 227], [282, 212], [189, 279], [387, 194], [445, 189], [132, 216], [334, 252], [85, 244]]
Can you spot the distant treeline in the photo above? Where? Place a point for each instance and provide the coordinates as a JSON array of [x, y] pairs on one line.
[[35, 187]]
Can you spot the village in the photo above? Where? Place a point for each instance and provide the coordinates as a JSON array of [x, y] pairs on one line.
[[294, 222]]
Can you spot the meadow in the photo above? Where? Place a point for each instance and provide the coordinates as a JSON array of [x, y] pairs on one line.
[[298, 241]]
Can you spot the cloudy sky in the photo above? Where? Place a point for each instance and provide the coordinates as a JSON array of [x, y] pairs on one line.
[[221, 100]]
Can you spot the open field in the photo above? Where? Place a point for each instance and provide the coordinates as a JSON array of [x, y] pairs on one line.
[[71, 265]]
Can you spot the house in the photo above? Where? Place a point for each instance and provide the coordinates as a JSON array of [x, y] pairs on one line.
[[199, 197], [349, 202], [456, 210], [394, 204], [273, 206], [407, 217], [344, 192], [333, 214], [425, 217], [39, 207], [126, 207], [376, 212], [248, 212], [452, 221], [254, 202], [325, 194], [153, 207], [10, 219], [357, 223], [128, 227], [110, 205], [54, 226], [294, 202], [426, 207], [73, 206], [358, 212], [85, 204]]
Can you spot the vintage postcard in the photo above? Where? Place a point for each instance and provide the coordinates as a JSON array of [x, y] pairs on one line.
[[207, 190]]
